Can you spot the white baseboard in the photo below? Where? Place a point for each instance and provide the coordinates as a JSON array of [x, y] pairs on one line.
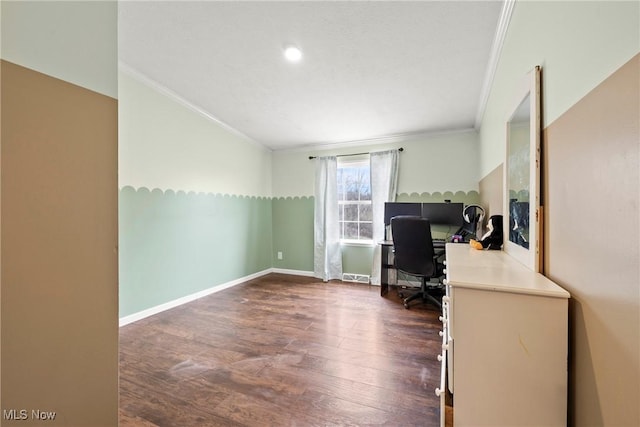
[[292, 272], [188, 298]]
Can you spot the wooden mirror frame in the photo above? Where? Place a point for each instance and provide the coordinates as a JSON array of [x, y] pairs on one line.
[[532, 256]]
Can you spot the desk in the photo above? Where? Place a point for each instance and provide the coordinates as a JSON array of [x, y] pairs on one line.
[[387, 266]]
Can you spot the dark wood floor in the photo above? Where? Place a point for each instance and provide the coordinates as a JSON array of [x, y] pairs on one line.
[[283, 351]]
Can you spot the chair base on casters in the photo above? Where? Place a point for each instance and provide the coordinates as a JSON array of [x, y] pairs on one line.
[[422, 294]]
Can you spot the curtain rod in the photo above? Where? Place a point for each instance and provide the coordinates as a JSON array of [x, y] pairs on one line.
[[354, 154]]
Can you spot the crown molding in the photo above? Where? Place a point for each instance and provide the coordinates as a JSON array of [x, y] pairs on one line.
[[390, 139], [496, 50]]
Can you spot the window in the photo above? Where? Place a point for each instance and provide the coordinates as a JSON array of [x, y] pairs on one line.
[[354, 200]]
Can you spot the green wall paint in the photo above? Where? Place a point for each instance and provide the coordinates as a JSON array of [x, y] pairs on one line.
[[173, 244], [293, 233], [357, 259], [191, 238], [293, 236], [176, 244]]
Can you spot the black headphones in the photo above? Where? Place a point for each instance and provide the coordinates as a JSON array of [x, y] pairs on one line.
[[478, 217]]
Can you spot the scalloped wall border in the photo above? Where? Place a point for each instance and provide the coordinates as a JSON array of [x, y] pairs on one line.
[[182, 193], [294, 198], [449, 195]]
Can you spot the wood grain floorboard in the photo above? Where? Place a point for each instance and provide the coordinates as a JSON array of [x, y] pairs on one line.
[[283, 350]]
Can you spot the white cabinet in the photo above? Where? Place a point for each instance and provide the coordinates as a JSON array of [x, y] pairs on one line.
[[507, 341]]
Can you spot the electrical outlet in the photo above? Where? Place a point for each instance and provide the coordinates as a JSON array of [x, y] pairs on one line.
[[279, 255]]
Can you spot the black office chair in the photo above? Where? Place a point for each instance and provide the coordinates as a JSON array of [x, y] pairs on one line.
[[414, 255]]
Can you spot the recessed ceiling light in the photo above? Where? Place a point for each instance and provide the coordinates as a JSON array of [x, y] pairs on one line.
[[292, 53]]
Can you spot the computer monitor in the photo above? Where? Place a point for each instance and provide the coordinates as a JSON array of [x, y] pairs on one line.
[[392, 209], [448, 214]]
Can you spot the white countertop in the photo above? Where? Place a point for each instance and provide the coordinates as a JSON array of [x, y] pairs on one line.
[[497, 271]]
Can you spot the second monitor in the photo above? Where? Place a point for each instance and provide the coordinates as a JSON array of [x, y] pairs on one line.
[[446, 218], [444, 213], [436, 213]]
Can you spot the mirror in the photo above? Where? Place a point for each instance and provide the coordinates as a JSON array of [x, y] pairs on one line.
[[522, 175], [518, 129]]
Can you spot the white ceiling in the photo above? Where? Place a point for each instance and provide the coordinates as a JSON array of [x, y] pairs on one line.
[[370, 69]]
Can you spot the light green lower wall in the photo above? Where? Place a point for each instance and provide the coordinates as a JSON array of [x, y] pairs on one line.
[[293, 237], [357, 259], [176, 244], [293, 231]]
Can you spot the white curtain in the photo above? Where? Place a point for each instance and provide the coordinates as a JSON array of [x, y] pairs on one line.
[[327, 256], [384, 186]]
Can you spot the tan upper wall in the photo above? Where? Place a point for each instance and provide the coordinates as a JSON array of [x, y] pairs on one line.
[[592, 188], [58, 213], [59, 233]]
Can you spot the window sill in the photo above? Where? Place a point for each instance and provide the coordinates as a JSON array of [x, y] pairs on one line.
[[347, 242]]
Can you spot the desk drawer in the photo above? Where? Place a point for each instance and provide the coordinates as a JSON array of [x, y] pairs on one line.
[[442, 358]]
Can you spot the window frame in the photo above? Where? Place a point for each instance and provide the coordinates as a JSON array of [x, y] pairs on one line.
[[355, 161]]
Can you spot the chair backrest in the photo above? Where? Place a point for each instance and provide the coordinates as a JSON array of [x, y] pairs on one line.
[[413, 245]]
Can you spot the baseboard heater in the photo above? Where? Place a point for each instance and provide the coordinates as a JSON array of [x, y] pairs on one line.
[[356, 278]]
